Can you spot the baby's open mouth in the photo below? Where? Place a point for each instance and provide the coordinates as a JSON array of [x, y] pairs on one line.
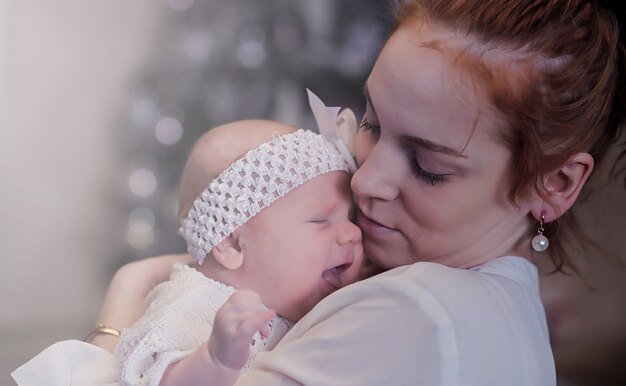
[[333, 275]]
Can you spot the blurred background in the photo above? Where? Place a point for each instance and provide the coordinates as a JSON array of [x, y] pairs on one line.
[[100, 102]]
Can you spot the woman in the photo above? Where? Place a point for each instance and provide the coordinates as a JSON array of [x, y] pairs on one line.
[[484, 120]]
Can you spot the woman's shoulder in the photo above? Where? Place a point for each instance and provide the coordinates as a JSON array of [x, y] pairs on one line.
[[444, 321], [433, 290], [508, 270], [416, 289]]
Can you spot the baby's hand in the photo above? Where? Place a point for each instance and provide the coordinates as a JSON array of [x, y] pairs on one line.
[[236, 322]]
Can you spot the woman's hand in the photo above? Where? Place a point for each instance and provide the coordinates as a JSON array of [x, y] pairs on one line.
[[124, 300], [236, 322]]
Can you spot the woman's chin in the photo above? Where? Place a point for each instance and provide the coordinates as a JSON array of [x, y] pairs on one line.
[[384, 255]]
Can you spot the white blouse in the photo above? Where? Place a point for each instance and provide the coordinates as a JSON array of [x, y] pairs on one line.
[[424, 324]]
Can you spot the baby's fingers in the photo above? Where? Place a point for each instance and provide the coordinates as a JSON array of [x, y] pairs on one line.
[[243, 300], [257, 321]]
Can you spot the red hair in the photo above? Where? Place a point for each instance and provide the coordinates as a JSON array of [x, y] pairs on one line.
[[559, 85]]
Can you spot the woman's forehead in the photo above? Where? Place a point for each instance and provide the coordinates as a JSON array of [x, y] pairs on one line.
[[418, 85]]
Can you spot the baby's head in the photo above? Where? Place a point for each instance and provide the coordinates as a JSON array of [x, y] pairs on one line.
[[269, 208]]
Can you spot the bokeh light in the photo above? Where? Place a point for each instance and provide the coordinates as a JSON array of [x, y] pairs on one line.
[[141, 220], [168, 131], [140, 240], [251, 51], [142, 183], [140, 233]]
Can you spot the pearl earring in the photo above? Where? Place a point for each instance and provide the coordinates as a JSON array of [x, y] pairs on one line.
[[540, 242]]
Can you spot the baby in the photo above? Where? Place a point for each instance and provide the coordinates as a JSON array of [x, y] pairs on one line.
[[265, 211]]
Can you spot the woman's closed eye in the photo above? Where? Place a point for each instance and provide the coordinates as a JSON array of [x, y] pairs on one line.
[[416, 169], [422, 174], [365, 126]]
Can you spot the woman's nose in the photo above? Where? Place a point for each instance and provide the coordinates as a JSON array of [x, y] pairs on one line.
[[374, 178], [348, 233]]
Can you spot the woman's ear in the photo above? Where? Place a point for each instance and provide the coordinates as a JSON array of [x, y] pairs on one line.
[[563, 187], [228, 252]]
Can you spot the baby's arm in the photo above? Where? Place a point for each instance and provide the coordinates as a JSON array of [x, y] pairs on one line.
[[219, 361]]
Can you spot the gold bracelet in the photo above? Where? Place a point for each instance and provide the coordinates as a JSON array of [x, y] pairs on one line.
[[101, 329]]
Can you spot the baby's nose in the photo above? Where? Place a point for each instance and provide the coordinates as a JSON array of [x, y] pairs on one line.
[[348, 233]]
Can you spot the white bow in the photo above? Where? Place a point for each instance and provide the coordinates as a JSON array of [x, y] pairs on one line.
[[340, 128]]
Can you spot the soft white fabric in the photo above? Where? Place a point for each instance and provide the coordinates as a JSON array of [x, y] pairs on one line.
[[69, 363], [337, 125], [424, 324], [178, 319]]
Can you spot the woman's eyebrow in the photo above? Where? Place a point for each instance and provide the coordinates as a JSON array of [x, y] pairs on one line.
[[421, 142], [432, 146]]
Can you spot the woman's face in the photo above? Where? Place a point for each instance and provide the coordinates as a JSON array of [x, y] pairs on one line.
[[433, 178]]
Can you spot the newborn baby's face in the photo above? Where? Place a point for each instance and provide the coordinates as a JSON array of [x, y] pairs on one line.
[[302, 247]]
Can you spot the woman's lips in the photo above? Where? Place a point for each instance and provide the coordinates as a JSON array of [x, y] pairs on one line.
[[372, 227]]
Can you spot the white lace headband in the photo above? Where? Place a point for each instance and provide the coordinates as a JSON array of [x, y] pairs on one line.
[[253, 182], [268, 172]]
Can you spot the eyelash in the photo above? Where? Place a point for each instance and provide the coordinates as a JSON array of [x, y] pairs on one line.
[[433, 179], [365, 127]]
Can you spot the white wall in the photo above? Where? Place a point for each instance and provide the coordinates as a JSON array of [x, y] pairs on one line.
[[66, 69]]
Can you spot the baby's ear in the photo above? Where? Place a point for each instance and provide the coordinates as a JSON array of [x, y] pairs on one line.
[[228, 253]]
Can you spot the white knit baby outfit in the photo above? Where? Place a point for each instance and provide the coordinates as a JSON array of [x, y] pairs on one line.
[[181, 312], [178, 320]]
